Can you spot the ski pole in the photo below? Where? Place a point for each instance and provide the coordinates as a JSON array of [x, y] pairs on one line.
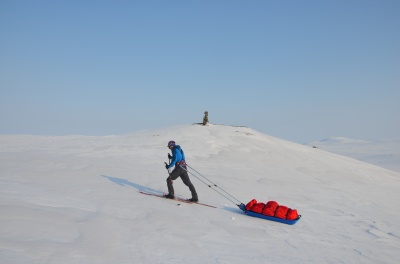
[[166, 166]]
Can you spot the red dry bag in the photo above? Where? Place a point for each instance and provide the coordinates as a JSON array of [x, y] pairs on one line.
[[281, 211], [257, 208], [270, 208], [250, 204], [292, 214]]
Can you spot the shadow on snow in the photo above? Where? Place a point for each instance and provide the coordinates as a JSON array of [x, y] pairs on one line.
[[124, 182], [138, 187]]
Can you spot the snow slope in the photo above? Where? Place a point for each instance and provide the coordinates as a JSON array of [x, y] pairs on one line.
[[384, 153], [74, 199]]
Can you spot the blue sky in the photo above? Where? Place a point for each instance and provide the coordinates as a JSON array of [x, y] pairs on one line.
[[297, 70]]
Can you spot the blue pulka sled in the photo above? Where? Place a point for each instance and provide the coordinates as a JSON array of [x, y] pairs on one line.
[[271, 218], [241, 205]]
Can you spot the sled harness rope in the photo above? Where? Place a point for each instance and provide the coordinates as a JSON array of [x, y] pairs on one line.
[[212, 185]]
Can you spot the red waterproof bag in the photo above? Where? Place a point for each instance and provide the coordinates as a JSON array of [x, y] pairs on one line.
[[257, 208], [292, 214], [281, 212], [270, 208], [250, 204]]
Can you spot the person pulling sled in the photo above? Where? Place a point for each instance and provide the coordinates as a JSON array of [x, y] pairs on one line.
[[178, 160]]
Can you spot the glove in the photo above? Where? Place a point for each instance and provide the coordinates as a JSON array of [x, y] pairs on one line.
[[169, 170], [169, 156], [166, 166]]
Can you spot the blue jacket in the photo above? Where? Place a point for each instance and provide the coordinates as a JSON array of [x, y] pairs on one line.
[[177, 156]]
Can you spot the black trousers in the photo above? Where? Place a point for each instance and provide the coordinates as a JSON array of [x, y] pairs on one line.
[[180, 172]]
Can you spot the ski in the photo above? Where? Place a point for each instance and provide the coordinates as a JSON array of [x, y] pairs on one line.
[[176, 199]]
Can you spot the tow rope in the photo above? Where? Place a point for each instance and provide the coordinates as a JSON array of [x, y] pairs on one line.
[[212, 185]]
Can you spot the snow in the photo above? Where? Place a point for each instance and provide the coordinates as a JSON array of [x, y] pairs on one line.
[[75, 199], [384, 153]]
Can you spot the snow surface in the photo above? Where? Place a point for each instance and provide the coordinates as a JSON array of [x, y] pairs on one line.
[[75, 199], [384, 153]]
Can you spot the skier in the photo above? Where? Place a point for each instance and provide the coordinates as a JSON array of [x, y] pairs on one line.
[[178, 160]]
